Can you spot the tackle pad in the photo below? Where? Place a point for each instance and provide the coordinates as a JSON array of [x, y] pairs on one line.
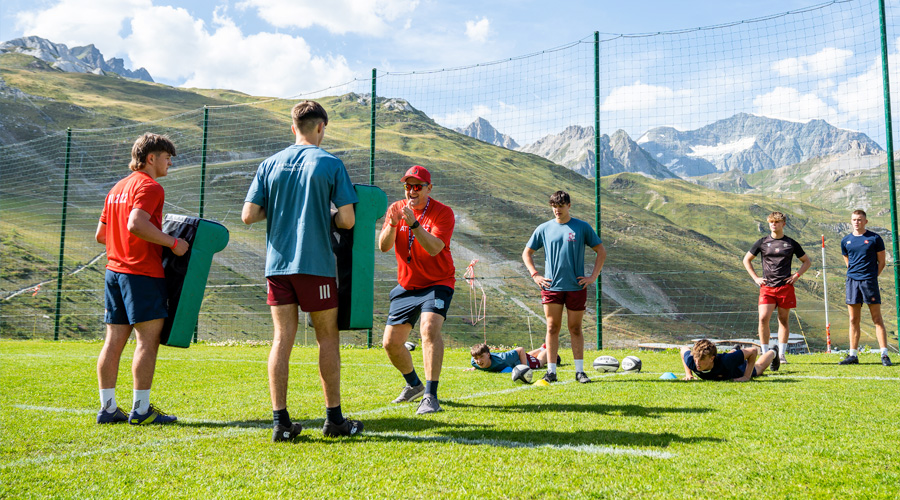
[[186, 275], [354, 251]]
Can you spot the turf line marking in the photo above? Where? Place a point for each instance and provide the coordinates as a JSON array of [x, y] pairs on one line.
[[161, 442], [584, 448], [840, 377], [52, 409]]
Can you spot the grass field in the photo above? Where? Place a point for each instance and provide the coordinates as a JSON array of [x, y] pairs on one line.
[[812, 430]]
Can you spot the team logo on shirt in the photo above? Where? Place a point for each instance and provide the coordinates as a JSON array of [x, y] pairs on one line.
[[571, 236], [866, 242]]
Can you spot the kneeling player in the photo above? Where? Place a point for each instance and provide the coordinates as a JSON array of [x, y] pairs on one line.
[[740, 365], [482, 359]]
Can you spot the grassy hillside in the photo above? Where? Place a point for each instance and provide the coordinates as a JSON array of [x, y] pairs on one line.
[[673, 270]]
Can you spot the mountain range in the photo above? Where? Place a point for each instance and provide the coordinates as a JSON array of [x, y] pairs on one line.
[[482, 130], [86, 59]]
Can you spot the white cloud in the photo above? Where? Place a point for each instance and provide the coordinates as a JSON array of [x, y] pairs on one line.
[[787, 103], [641, 96], [367, 17], [463, 117], [175, 47], [826, 62], [478, 31]]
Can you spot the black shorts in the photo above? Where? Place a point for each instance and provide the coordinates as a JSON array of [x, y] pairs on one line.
[[408, 305]]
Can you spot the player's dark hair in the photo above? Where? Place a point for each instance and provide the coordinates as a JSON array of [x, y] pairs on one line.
[[147, 144], [560, 198], [307, 115], [702, 349], [479, 349], [860, 212]]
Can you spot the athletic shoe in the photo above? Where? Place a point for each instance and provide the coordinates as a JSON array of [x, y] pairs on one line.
[[429, 404], [776, 360], [582, 378], [885, 360], [285, 433], [104, 417], [558, 360], [348, 428], [153, 416], [782, 359], [549, 377], [849, 360], [410, 393]]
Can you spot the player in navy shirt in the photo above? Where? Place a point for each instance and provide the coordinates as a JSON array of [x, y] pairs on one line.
[[864, 256], [776, 287], [740, 365]]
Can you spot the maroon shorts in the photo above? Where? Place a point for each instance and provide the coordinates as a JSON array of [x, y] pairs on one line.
[[533, 362], [574, 301], [311, 293], [782, 296]]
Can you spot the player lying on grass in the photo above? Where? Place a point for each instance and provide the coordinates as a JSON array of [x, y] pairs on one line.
[[740, 365], [482, 359]]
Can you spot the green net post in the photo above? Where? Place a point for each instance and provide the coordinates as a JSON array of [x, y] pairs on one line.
[[203, 150], [371, 169], [889, 144], [597, 175], [62, 235]]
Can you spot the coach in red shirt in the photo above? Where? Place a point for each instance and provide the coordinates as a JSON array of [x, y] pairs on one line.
[[419, 229]]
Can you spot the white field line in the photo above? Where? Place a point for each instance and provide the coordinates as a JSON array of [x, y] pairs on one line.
[[585, 448], [161, 442]]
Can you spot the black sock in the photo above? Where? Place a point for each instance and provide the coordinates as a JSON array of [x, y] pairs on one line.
[[281, 417], [431, 387], [334, 415], [412, 379]]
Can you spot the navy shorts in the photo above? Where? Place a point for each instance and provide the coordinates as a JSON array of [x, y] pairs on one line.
[[132, 298], [863, 291], [407, 305]]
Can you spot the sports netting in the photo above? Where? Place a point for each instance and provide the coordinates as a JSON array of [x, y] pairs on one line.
[[685, 103]]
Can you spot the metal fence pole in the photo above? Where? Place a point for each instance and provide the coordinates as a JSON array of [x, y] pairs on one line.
[[597, 176], [371, 170], [62, 235], [889, 143]]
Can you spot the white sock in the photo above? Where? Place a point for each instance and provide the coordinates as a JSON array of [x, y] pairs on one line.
[[551, 367], [108, 400], [884, 351], [764, 348], [853, 352], [579, 365], [782, 349], [141, 401]]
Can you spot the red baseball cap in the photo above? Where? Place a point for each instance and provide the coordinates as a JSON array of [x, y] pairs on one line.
[[418, 172]]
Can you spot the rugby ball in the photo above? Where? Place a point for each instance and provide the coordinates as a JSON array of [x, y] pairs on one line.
[[631, 364], [606, 364], [411, 346], [522, 374]]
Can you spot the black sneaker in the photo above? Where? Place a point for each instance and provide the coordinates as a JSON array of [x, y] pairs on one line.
[[850, 360], [582, 378], [885, 360], [776, 361], [285, 433], [348, 428], [549, 377], [558, 360]]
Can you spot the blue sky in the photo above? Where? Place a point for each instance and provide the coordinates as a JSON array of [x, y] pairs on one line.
[[284, 48]]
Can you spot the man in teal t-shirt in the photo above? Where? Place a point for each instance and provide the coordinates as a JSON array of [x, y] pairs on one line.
[[293, 191], [564, 284]]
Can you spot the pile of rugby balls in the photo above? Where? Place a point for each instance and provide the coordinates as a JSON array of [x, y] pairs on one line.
[[609, 364], [522, 374]]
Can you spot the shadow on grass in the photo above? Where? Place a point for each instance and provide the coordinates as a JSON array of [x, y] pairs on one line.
[[405, 429], [598, 409]]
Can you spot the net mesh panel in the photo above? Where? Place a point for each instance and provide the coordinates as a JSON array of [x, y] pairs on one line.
[[691, 99]]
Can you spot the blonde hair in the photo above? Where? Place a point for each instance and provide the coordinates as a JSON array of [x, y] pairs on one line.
[[776, 217]]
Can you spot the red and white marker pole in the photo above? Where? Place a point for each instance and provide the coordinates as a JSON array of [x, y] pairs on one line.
[[825, 288]]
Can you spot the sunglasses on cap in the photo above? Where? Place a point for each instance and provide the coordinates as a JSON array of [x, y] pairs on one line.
[[415, 187]]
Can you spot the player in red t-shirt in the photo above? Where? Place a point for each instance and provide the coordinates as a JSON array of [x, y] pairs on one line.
[[419, 229], [131, 228]]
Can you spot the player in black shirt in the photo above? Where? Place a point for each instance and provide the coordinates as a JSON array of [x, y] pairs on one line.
[[776, 287]]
